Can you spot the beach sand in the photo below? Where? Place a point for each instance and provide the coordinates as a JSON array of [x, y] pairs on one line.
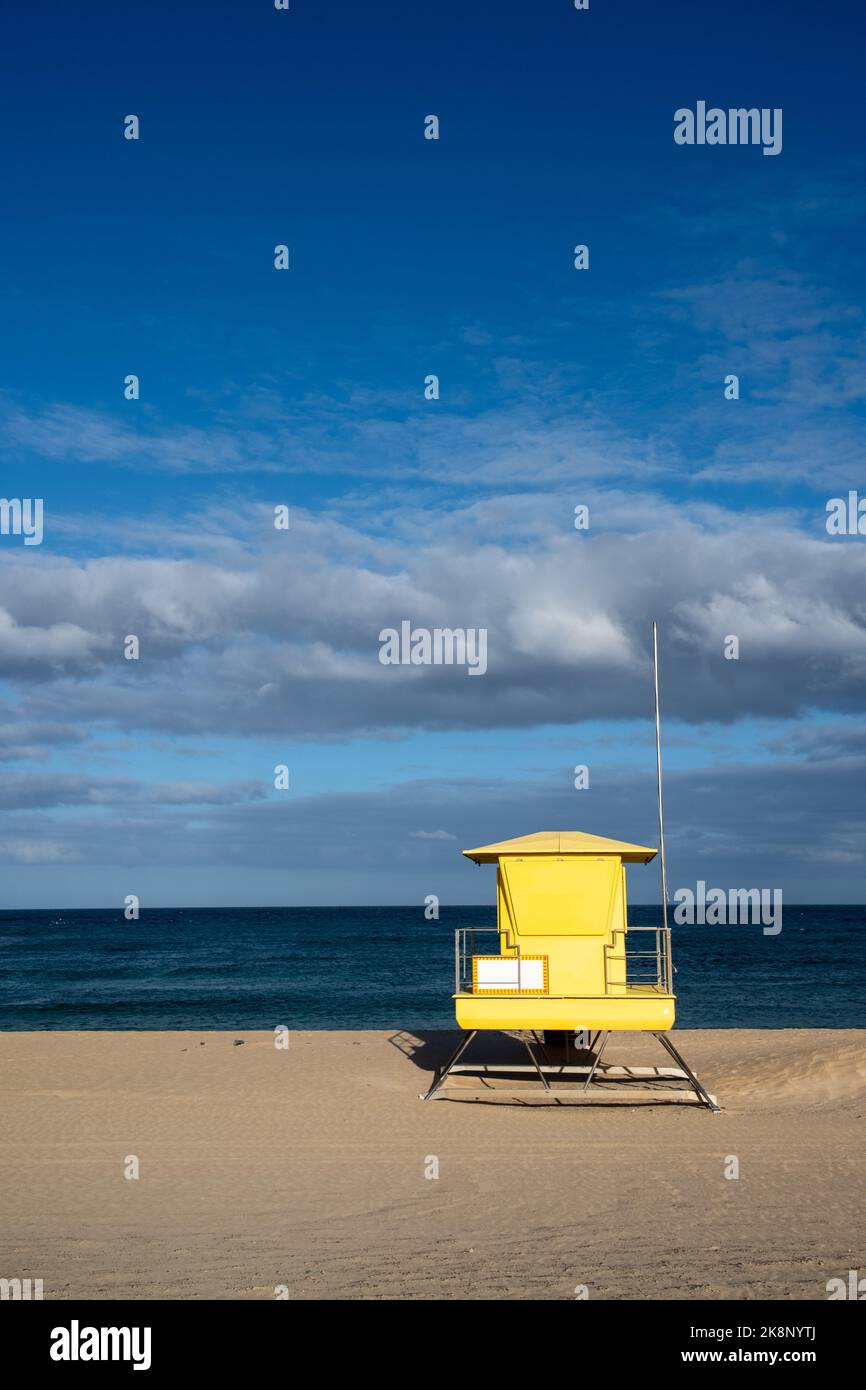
[[305, 1168]]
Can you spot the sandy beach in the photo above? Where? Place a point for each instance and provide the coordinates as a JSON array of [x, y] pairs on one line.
[[305, 1168]]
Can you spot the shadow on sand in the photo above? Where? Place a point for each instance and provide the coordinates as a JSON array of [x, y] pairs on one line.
[[497, 1063], [431, 1050]]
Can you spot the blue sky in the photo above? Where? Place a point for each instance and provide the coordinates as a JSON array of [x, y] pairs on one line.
[[305, 387]]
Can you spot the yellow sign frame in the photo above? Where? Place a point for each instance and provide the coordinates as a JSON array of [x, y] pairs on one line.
[[509, 989]]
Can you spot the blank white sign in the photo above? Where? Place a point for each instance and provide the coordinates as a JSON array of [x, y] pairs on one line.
[[500, 973]]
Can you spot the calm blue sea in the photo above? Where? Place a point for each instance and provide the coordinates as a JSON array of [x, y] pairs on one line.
[[382, 967]]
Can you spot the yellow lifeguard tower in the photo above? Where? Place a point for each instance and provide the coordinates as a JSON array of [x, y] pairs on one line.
[[565, 960], [561, 923]]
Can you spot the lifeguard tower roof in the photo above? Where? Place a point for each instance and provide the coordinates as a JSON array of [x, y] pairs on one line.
[[562, 842]]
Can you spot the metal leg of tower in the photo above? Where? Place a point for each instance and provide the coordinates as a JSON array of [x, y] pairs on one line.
[[596, 1059], [542, 1049], [534, 1061], [454, 1058], [702, 1094]]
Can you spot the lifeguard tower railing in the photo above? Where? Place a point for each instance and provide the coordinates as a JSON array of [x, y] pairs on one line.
[[647, 964]]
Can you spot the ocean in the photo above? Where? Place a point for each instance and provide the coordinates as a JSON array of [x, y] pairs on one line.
[[382, 967]]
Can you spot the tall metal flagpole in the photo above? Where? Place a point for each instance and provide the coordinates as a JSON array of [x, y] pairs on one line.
[[659, 766], [663, 1038]]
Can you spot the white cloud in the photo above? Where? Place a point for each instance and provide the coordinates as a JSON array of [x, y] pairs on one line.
[[283, 636]]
